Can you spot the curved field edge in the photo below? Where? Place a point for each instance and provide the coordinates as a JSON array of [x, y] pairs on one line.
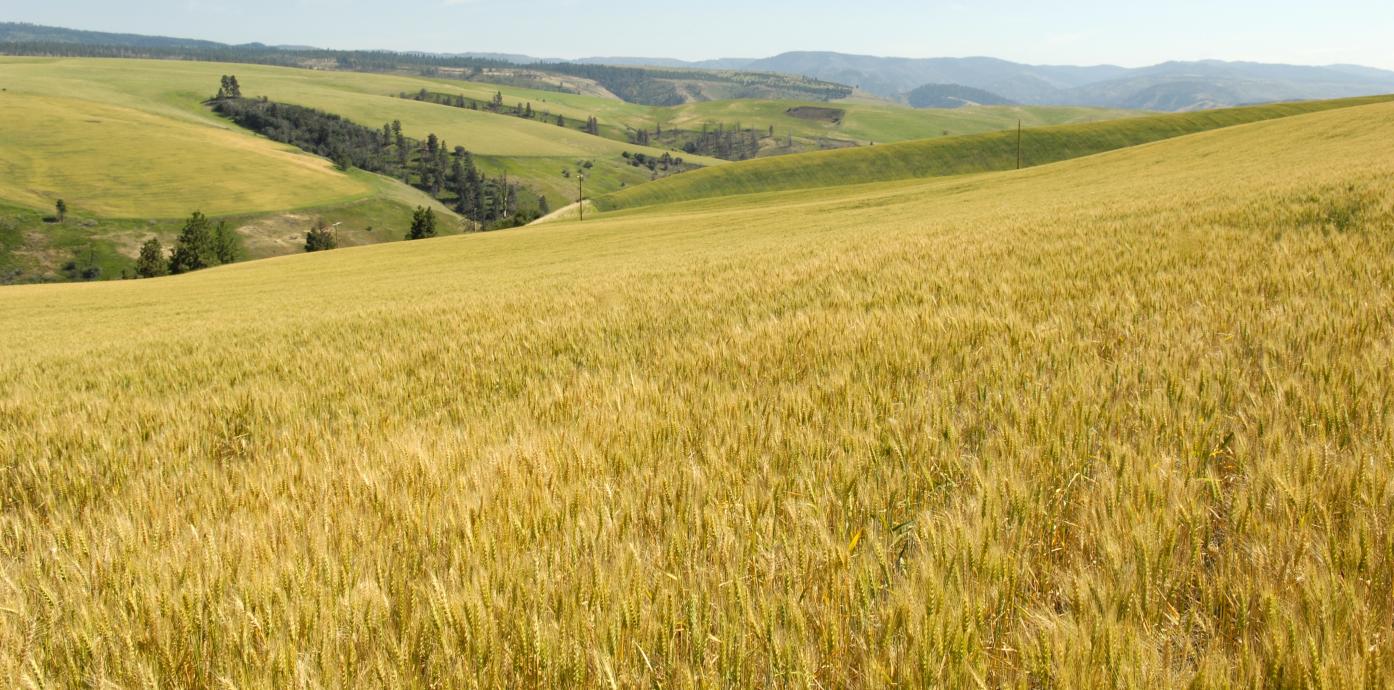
[[1120, 422], [33, 247], [993, 151]]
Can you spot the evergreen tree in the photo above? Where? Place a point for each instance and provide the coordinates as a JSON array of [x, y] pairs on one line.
[[423, 224], [195, 247], [440, 167], [151, 262], [423, 171], [229, 88], [456, 182], [471, 194], [227, 244], [401, 140]]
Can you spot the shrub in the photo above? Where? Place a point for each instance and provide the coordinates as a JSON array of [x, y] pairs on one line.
[[321, 238]]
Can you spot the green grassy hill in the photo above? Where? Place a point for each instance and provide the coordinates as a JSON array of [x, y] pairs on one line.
[[949, 156], [132, 149], [861, 120], [121, 162], [1119, 421], [177, 89], [867, 122], [504, 144]]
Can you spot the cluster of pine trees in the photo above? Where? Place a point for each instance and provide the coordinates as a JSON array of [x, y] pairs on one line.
[[451, 175], [430, 165], [229, 88], [325, 134], [496, 105], [735, 143], [665, 163], [201, 244]]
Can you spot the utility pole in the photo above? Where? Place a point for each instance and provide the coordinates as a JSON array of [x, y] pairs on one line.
[[1018, 144], [581, 194]]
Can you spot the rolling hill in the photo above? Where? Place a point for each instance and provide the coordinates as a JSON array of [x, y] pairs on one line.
[[951, 96], [175, 89], [1119, 421], [116, 161], [131, 147], [650, 85], [131, 160], [803, 75], [949, 156], [891, 77], [862, 121], [18, 32]]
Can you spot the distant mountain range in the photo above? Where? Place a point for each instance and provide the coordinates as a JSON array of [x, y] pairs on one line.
[[718, 63], [1173, 86], [15, 32]]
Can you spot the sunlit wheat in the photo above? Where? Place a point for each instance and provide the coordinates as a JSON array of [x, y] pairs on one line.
[[1122, 421]]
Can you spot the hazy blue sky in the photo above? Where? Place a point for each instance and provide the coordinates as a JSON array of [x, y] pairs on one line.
[[1084, 32]]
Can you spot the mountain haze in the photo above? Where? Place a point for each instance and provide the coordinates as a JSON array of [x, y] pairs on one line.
[[1167, 86], [1171, 86]]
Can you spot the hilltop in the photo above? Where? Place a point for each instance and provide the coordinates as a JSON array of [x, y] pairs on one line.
[[802, 75], [642, 85]]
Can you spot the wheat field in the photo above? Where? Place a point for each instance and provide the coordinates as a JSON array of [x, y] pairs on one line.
[[1122, 421]]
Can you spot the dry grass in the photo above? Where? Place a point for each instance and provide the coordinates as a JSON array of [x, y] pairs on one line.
[[124, 163], [1121, 421]]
